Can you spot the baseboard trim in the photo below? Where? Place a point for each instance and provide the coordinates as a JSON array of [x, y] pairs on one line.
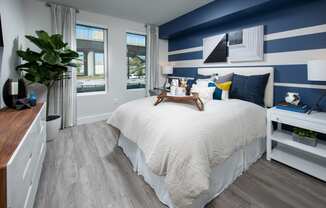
[[93, 118]]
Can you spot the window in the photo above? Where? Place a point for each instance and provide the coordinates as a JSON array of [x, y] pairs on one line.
[[136, 55], [91, 47]]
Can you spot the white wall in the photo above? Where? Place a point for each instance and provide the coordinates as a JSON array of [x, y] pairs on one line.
[[38, 17], [12, 18], [97, 106]]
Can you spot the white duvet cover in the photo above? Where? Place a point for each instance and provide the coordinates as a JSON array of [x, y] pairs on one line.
[[183, 144]]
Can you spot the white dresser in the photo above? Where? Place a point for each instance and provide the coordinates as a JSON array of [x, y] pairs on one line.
[[26, 152]]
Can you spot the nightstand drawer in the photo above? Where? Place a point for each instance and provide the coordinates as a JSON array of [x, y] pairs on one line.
[[283, 119], [302, 123]]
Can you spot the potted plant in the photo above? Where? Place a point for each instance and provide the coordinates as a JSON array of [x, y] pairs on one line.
[[305, 136], [47, 66]]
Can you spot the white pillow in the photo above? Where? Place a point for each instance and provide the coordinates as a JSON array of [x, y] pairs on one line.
[[203, 82], [205, 93]]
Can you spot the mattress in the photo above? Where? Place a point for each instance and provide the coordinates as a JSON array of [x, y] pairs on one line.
[[221, 177]]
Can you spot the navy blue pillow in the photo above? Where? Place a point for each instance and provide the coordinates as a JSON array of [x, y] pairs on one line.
[[217, 95], [249, 88]]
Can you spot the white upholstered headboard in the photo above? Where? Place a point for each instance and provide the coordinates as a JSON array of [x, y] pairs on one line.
[[269, 92]]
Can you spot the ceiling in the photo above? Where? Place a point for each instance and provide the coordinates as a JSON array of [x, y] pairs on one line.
[[145, 11]]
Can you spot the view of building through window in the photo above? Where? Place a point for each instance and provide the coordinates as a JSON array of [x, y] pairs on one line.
[[136, 54], [91, 43]]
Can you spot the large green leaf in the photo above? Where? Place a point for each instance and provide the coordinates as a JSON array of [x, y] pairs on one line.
[[51, 58], [27, 66], [70, 53], [56, 40], [29, 55], [30, 77], [68, 56], [43, 35], [42, 44]]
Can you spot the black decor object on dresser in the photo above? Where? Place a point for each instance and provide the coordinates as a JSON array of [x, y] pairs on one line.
[[8, 97], [1, 37]]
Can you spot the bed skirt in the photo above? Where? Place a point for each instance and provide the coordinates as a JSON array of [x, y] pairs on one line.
[[222, 175]]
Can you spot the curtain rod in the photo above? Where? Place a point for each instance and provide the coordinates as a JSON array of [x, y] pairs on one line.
[[49, 5]]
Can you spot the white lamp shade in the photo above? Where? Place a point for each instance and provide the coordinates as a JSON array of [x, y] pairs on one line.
[[317, 70], [167, 70]]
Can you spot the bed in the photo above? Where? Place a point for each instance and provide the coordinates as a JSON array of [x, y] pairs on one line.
[[189, 157]]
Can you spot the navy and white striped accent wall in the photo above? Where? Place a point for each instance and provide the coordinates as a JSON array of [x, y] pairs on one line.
[[293, 36]]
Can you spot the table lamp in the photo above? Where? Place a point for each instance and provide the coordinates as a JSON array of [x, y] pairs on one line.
[[317, 72], [166, 70]]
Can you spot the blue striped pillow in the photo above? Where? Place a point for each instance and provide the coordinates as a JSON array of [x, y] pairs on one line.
[[217, 95]]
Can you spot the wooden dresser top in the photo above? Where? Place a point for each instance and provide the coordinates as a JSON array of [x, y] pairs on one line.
[[13, 126]]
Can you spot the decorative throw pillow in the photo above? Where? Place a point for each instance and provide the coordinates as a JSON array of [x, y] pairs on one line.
[[249, 88], [217, 94], [221, 91], [225, 86], [205, 93]]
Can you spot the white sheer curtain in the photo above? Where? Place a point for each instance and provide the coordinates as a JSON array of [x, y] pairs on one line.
[[64, 93], [152, 62]]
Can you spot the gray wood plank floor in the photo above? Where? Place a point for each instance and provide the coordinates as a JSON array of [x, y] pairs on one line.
[[84, 169]]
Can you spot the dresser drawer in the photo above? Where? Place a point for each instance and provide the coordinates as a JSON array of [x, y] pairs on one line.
[[24, 154], [32, 190], [20, 175], [40, 139]]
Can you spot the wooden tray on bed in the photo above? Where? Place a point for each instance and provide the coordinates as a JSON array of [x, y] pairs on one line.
[[194, 98]]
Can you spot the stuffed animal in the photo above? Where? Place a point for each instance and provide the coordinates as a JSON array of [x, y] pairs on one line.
[[292, 98]]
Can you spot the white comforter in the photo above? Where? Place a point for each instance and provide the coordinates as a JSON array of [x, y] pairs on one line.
[[183, 143]]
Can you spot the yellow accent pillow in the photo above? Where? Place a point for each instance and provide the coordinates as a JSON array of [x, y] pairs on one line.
[[225, 86]]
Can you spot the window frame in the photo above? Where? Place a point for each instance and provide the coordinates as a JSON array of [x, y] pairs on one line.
[[106, 57], [127, 61]]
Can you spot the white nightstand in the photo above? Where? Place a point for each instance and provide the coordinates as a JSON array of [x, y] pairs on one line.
[[311, 160]]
